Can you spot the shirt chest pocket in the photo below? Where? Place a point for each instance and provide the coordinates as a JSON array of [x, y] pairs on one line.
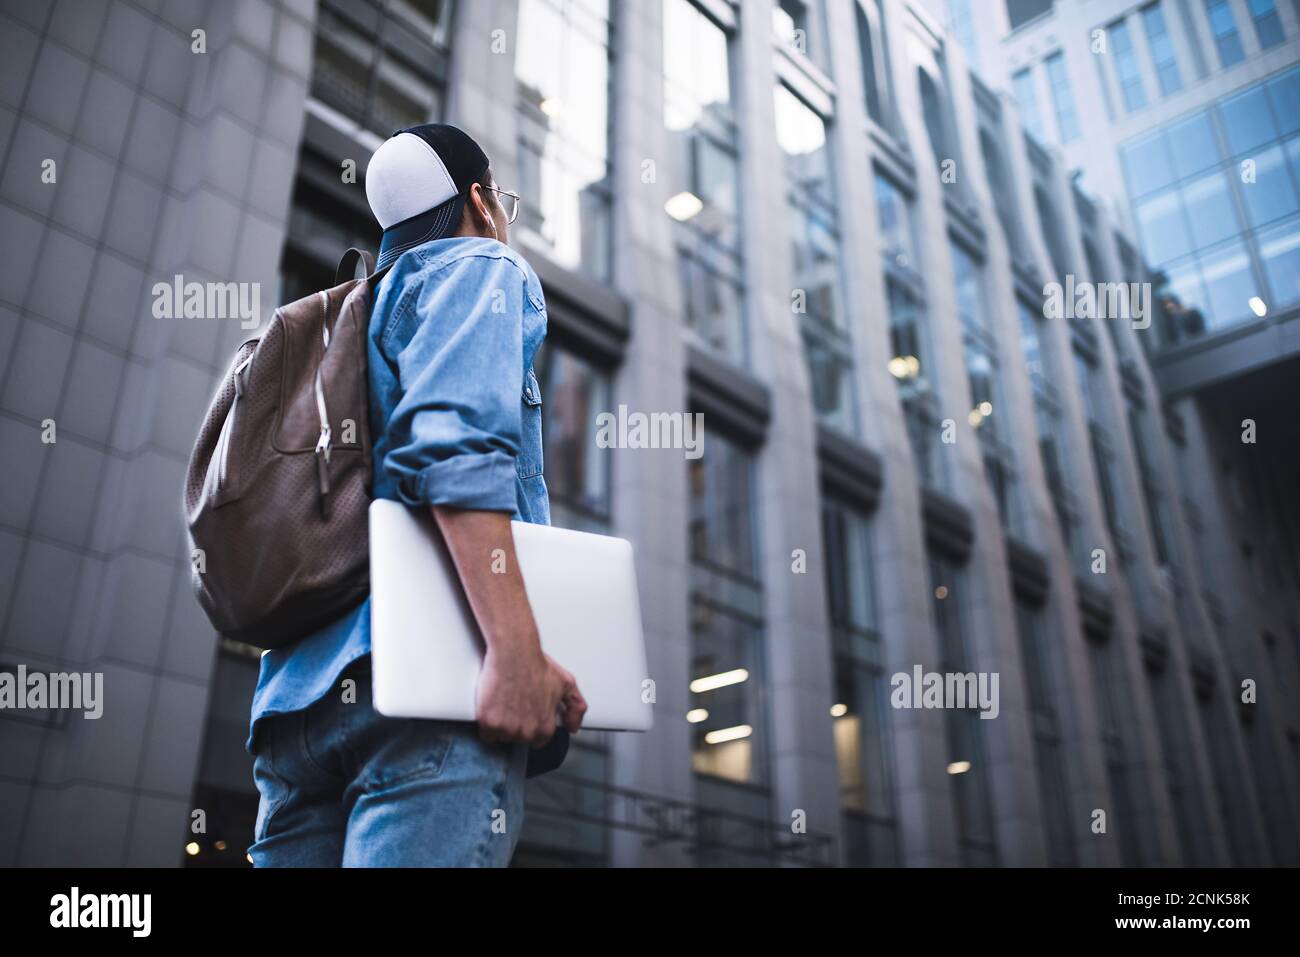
[[529, 462]]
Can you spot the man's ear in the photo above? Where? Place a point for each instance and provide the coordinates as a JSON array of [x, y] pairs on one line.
[[481, 212]]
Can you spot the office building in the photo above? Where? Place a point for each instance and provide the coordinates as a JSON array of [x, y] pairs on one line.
[[821, 224]]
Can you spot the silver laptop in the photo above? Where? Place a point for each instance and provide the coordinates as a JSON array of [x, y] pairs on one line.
[[426, 646]]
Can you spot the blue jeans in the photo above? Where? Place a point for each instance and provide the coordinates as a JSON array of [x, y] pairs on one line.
[[342, 785]]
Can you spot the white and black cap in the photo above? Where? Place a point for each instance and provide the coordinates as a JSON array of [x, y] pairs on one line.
[[417, 183]]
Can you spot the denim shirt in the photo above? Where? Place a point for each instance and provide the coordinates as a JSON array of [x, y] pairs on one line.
[[455, 417]]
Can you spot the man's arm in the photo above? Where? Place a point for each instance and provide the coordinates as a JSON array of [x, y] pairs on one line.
[[456, 342], [521, 689]]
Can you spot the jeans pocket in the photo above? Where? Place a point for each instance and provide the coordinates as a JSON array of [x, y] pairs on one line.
[[272, 789], [405, 749]]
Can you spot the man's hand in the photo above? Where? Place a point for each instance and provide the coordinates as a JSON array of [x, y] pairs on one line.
[[520, 696]]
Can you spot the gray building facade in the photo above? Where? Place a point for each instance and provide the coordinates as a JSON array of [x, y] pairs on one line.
[[810, 221]]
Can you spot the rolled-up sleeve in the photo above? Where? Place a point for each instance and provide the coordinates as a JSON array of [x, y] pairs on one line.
[[454, 434]]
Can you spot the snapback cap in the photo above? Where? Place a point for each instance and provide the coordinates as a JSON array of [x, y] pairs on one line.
[[417, 183]]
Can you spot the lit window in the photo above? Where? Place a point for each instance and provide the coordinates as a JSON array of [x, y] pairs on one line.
[[726, 633]]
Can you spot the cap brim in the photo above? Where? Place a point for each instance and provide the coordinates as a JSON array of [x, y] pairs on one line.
[[436, 223]]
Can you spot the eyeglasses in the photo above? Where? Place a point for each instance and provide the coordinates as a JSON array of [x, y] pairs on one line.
[[510, 202]]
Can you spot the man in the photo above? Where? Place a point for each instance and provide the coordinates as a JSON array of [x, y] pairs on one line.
[[455, 410]]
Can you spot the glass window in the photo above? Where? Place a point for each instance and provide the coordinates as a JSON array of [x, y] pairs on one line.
[[1210, 269], [1224, 28], [816, 264], [1267, 25], [1022, 11], [562, 78], [1031, 348], [864, 761], [793, 24], [1151, 489], [894, 213], [1005, 204], [1193, 145], [1126, 67], [705, 201], [722, 519], [1162, 49], [1183, 298], [726, 705], [830, 377], [970, 288], [988, 412], [577, 470], [1067, 120], [1022, 83], [962, 23], [726, 687], [849, 579], [1035, 649], [980, 371], [1052, 453], [860, 710], [1284, 94], [1279, 248], [714, 176], [1229, 283], [932, 111], [713, 303], [1248, 121], [1051, 232], [801, 134], [1147, 164], [387, 85], [867, 57], [1111, 691], [1209, 207], [1273, 194], [965, 758], [908, 338], [1164, 232], [697, 76]]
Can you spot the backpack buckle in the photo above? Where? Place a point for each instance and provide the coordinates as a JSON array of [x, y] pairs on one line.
[[323, 443]]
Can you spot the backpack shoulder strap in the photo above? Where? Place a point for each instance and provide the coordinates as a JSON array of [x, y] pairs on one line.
[[347, 269]]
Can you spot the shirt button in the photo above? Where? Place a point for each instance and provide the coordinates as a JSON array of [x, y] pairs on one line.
[[528, 392]]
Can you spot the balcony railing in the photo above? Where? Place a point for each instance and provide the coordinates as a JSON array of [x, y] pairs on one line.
[[699, 830]]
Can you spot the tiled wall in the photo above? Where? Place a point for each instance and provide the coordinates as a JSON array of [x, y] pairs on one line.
[[168, 161]]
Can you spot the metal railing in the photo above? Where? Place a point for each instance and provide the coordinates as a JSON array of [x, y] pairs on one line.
[[700, 830]]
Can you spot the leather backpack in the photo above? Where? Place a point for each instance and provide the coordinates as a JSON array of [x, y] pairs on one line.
[[278, 485]]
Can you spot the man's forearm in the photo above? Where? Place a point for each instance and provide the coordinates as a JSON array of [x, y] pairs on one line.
[[483, 548]]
